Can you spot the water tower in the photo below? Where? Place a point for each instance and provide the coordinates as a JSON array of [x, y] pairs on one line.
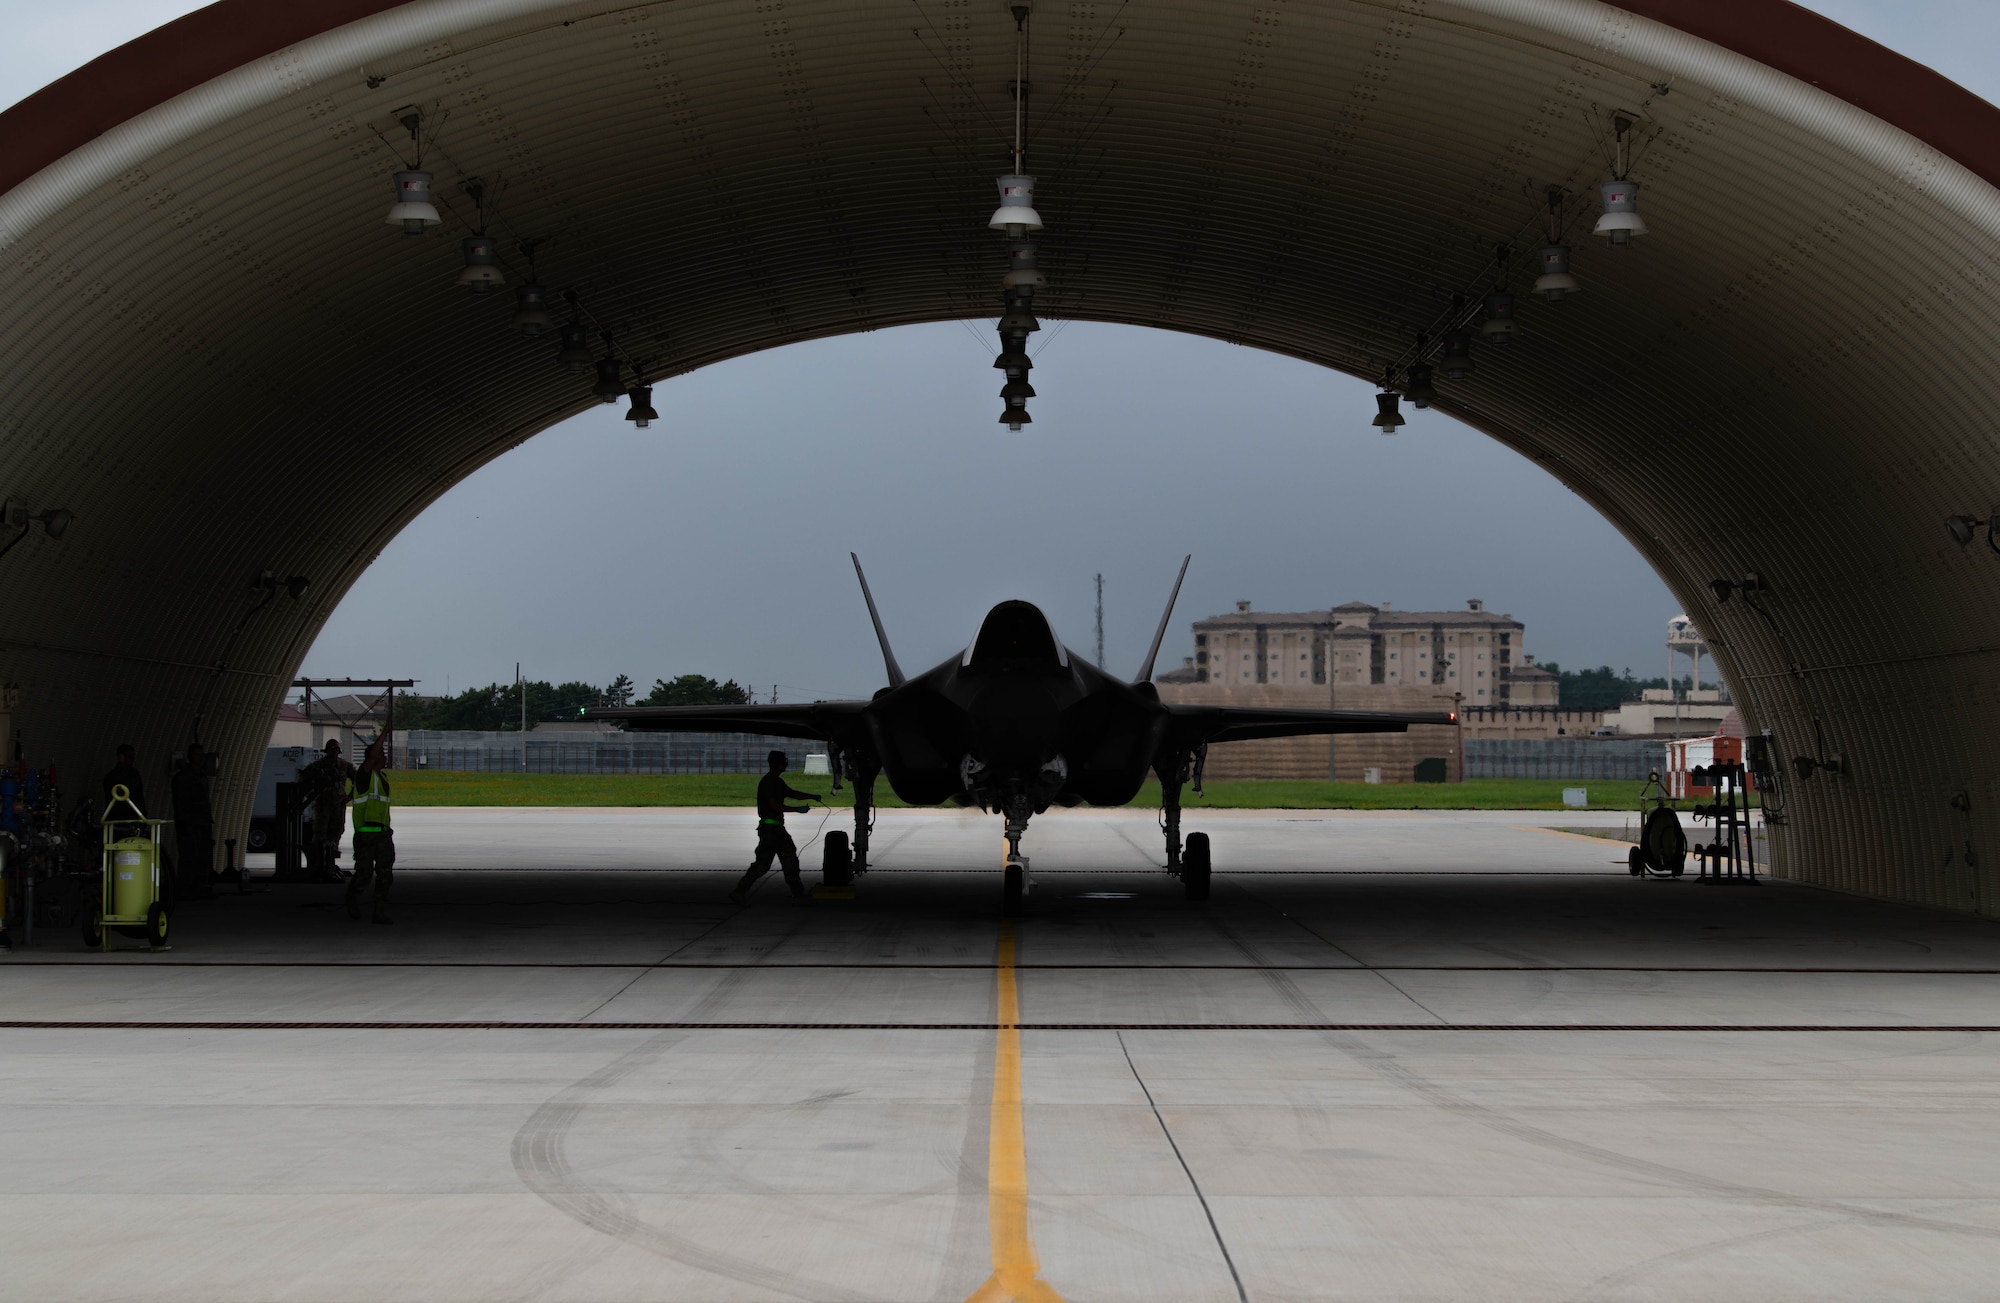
[[1686, 640]]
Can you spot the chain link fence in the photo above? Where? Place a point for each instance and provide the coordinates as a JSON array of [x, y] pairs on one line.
[[1608, 759], [612, 753]]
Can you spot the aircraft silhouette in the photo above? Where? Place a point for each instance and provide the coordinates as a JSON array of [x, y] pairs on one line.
[[1015, 724]]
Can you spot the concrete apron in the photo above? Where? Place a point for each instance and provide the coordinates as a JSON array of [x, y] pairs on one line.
[[1419, 1058]]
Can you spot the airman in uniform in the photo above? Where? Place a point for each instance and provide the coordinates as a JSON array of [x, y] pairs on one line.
[[325, 780], [374, 844]]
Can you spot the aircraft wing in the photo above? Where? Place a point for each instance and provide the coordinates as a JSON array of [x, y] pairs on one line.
[[1192, 725], [838, 722]]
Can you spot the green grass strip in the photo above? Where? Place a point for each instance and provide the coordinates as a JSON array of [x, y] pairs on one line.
[[437, 787]]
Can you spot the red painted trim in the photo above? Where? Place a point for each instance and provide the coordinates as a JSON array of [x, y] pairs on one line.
[[205, 44], [141, 74], [1816, 50]]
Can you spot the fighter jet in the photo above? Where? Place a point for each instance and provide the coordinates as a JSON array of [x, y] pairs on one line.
[[1015, 724]]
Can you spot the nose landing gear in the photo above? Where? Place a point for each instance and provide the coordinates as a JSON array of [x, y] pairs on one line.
[[1014, 880]]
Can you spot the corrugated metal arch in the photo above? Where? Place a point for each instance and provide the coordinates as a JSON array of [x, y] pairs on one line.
[[208, 305]]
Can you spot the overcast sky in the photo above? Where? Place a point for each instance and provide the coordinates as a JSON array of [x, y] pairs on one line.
[[716, 542]]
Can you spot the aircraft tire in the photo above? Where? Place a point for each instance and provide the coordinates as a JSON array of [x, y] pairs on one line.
[[1195, 865], [1011, 883], [1635, 860], [836, 861]]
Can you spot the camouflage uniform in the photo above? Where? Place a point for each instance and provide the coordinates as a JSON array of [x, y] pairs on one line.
[[327, 779]]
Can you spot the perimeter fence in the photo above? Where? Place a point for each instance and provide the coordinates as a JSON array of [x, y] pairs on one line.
[[613, 753], [1606, 759]]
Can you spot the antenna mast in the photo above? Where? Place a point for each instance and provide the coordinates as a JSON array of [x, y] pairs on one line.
[[1100, 620]]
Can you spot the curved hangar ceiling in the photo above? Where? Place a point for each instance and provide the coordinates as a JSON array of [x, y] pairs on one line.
[[220, 358]]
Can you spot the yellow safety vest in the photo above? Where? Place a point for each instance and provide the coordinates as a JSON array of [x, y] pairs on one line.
[[371, 807]]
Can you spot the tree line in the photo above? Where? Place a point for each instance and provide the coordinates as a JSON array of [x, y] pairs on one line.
[[497, 706], [1601, 688]]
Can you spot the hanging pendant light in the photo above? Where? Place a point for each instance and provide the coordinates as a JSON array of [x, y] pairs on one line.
[[1019, 317], [1021, 272], [1621, 220], [531, 310], [641, 413], [1555, 283], [1499, 326], [1388, 417], [610, 386], [574, 353], [1418, 387], [1017, 389], [482, 264], [1017, 206], [1456, 360], [413, 210]]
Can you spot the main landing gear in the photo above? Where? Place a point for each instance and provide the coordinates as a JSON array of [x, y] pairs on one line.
[[842, 860], [1189, 864]]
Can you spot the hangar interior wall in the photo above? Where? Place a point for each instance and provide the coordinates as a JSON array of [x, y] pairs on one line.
[[206, 306]]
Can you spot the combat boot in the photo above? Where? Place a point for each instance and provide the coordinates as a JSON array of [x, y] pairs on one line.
[[382, 913], [354, 907]]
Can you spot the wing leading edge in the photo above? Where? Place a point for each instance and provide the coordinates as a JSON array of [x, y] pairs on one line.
[[1195, 725]]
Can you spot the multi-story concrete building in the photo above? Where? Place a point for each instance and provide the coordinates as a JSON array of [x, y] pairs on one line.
[[1361, 657], [1471, 653]]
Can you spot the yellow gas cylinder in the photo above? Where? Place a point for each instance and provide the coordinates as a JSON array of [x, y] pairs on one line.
[[132, 863]]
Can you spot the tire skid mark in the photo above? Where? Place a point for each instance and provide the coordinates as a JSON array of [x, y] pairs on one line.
[[1389, 1067], [542, 1164]]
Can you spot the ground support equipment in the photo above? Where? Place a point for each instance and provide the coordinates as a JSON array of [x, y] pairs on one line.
[[129, 900], [1729, 857], [1662, 848]]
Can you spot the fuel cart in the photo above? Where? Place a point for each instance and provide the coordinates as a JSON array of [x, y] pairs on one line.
[[130, 900]]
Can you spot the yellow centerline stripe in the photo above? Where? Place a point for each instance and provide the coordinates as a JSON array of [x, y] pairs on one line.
[[1016, 1270]]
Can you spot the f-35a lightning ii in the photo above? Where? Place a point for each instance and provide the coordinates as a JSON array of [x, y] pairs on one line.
[[1015, 724]]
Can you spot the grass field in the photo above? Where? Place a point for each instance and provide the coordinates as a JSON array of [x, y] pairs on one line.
[[429, 787]]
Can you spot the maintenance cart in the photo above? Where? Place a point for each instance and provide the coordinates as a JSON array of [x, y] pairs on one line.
[[1662, 848], [130, 900]]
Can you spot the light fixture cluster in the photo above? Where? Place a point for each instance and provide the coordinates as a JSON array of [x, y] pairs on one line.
[[414, 212], [1494, 321], [1017, 219], [1017, 216], [21, 517], [1963, 528]]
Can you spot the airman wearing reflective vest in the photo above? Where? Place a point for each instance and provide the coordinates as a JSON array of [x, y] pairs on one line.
[[374, 844]]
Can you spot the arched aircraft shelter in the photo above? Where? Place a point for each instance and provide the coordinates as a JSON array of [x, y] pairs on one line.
[[223, 361]]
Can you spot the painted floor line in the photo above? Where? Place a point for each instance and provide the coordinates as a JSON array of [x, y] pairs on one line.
[[1017, 1271], [1004, 1028], [980, 967]]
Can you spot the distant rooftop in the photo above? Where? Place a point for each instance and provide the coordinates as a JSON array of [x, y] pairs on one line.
[[1475, 613]]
